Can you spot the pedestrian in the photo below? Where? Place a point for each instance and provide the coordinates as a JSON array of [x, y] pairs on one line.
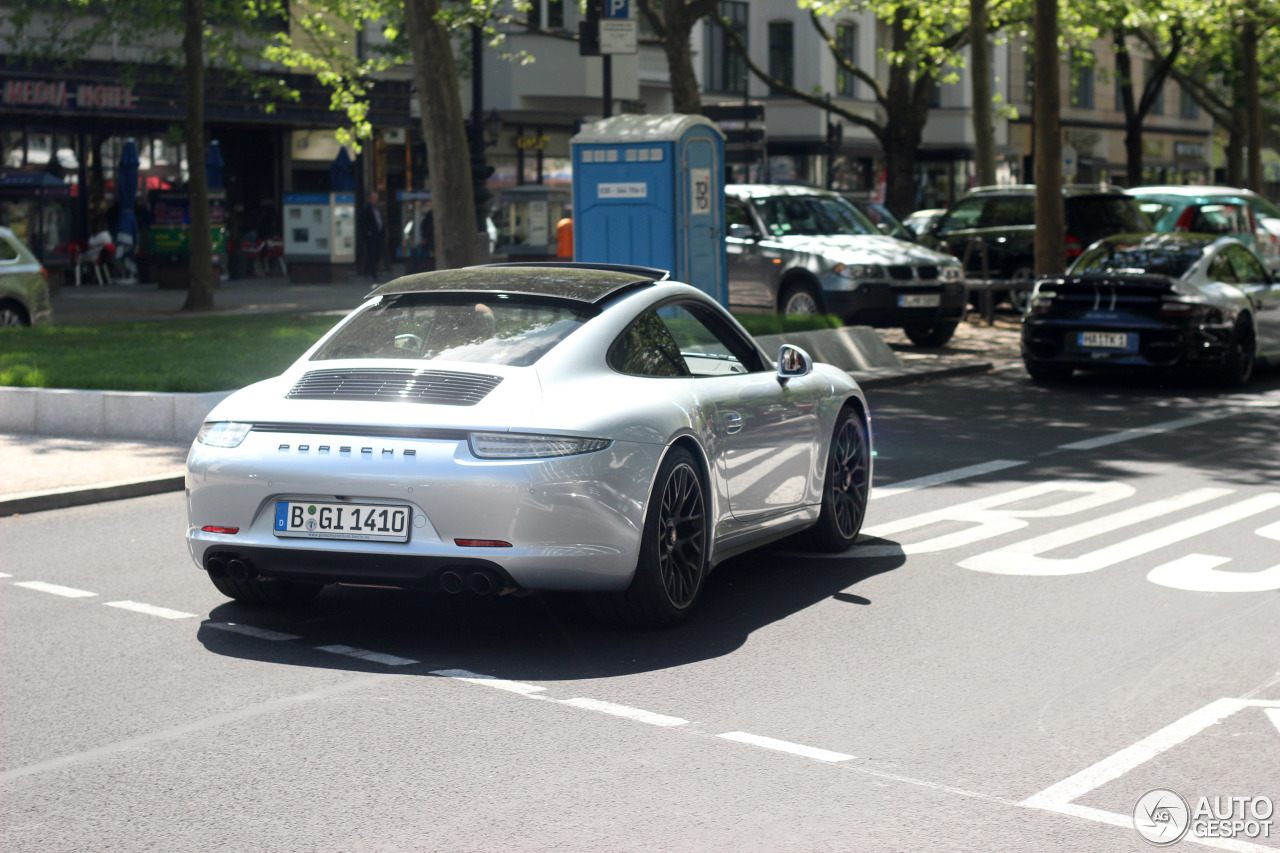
[[374, 230]]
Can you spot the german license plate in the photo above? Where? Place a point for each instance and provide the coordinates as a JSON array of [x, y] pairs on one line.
[[370, 522], [1104, 340], [919, 300]]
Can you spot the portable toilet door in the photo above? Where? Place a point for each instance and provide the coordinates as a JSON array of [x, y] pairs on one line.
[[702, 249]]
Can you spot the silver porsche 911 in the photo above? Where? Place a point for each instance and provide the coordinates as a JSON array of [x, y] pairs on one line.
[[540, 427]]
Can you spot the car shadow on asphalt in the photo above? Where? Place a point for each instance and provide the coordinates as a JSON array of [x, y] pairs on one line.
[[548, 636]]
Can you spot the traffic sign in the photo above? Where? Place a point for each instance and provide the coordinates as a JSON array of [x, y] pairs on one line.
[[617, 9]]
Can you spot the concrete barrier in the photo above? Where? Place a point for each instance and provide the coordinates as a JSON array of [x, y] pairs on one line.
[[137, 415], [848, 348]]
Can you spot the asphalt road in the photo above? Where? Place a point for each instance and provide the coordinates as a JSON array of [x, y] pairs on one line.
[[1065, 598]]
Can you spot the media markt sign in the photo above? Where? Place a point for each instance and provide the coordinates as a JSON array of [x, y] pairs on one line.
[[59, 95]]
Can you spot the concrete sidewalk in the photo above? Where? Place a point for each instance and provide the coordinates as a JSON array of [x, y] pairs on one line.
[[39, 472]]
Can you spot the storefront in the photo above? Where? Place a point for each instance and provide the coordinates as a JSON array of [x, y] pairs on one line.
[[71, 124]]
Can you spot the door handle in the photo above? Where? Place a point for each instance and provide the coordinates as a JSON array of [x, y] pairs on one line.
[[732, 422]]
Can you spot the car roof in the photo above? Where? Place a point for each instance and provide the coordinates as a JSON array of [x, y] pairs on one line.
[[1200, 241], [588, 283], [1192, 192], [770, 190], [1068, 190]]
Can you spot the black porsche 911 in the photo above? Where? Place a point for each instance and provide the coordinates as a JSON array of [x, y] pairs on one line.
[[1183, 301]]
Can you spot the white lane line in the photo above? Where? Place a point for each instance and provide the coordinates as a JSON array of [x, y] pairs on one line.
[[1023, 558], [1273, 714], [1140, 432], [150, 609], [785, 746], [365, 654], [625, 711], [250, 631], [941, 477], [54, 589], [489, 681], [3, 575]]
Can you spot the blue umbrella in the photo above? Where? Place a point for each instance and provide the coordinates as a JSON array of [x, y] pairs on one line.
[[213, 164], [342, 177], [127, 197]]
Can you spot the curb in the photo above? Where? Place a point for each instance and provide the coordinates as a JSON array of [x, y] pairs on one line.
[[82, 495]]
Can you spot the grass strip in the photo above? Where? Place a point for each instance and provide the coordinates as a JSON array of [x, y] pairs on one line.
[[204, 353]]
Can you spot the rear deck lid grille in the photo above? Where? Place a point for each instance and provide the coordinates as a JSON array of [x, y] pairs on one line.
[[395, 385]]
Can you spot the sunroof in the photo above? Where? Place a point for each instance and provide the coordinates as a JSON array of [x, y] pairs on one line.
[[582, 283]]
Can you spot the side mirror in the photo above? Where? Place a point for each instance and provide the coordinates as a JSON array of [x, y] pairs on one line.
[[740, 231], [793, 361]]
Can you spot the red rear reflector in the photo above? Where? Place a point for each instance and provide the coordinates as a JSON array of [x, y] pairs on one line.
[[1074, 248], [1184, 221], [212, 529], [481, 543]]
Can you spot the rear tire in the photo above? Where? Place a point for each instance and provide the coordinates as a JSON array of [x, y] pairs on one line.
[[275, 592], [931, 336], [1049, 374], [1018, 299], [12, 317], [845, 489], [1237, 370], [800, 298], [673, 552]]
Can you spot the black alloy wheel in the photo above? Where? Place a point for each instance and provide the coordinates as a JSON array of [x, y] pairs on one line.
[[1237, 369], [800, 298], [846, 489], [673, 552]]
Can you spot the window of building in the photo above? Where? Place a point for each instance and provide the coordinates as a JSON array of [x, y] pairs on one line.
[[847, 42], [1082, 79], [549, 11], [1187, 106], [726, 68], [1157, 106], [782, 59]]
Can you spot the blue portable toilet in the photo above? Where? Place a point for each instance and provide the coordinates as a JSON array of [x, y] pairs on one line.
[[649, 190]]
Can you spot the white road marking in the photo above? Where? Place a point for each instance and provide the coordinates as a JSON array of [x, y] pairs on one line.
[[625, 711], [785, 746], [365, 654], [1273, 714], [3, 575], [1199, 573], [250, 631], [150, 609], [1059, 797], [490, 681], [1141, 432], [53, 588], [987, 517], [1022, 558], [904, 486]]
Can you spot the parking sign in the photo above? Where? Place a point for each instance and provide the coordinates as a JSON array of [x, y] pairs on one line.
[[617, 9]]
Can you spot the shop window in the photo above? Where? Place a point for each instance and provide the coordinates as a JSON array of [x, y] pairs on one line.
[[847, 43], [726, 68], [782, 52]]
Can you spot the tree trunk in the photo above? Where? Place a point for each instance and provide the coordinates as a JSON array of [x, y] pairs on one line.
[[906, 111], [448, 156], [685, 95], [1132, 116], [200, 288], [984, 138], [1251, 101], [1051, 248], [1133, 152], [1234, 150]]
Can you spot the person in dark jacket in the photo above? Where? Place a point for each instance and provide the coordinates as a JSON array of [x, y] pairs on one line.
[[374, 230]]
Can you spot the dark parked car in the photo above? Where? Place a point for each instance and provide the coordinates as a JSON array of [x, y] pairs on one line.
[[1188, 301], [999, 222], [797, 250]]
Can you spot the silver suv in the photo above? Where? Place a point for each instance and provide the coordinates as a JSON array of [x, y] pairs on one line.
[[797, 250]]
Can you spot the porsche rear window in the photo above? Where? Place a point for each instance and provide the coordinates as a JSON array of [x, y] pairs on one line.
[[485, 330]]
